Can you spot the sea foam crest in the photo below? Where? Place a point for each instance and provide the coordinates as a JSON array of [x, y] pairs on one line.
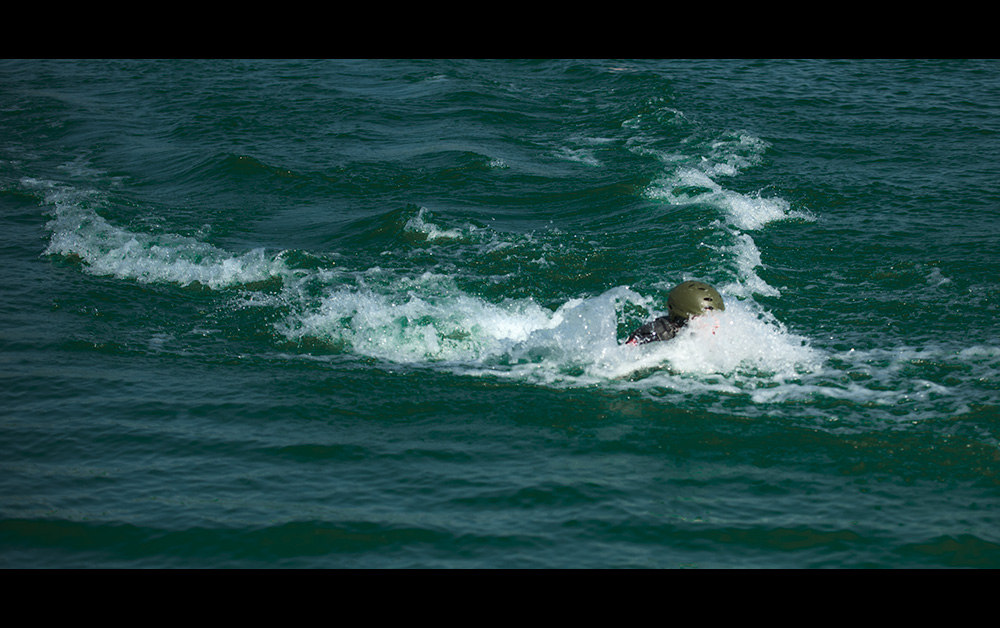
[[422, 320], [422, 224], [741, 342], [749, 212], [693, 178], [428, 321], [746, 259], [735, 351], [77, 230]]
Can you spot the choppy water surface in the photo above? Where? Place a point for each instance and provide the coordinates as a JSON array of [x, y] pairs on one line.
[[370, 313]]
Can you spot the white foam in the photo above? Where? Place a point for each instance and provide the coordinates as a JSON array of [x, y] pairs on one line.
[[579, 155], [750, 212], [746, 259], [734, 153], [77, 230], [413, 322], [693, 179], [979, 351], [420, 224], [427, 321], [935, 278], [418, 323], [739, 340]]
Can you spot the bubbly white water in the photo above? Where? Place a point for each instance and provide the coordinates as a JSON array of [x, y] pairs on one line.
[[77, 230], [419, 224], [428, 321]]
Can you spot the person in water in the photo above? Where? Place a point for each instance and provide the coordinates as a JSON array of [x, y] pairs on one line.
[[686, 301]]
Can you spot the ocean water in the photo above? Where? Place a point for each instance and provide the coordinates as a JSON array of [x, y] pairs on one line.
[[369, 314]]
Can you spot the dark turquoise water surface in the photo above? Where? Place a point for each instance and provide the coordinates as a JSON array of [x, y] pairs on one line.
[[345, 313]]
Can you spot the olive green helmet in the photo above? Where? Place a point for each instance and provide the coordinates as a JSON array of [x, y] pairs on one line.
[[692, 298]]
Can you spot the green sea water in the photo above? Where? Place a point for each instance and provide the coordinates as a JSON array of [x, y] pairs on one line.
[[370, 314]]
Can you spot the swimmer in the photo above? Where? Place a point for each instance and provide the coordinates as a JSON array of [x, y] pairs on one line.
[[686, 301]]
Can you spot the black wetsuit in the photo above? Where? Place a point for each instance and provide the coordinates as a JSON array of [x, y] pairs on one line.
[[663, 328]]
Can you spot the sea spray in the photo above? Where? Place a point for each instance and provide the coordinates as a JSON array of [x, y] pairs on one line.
[[79, 231]]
